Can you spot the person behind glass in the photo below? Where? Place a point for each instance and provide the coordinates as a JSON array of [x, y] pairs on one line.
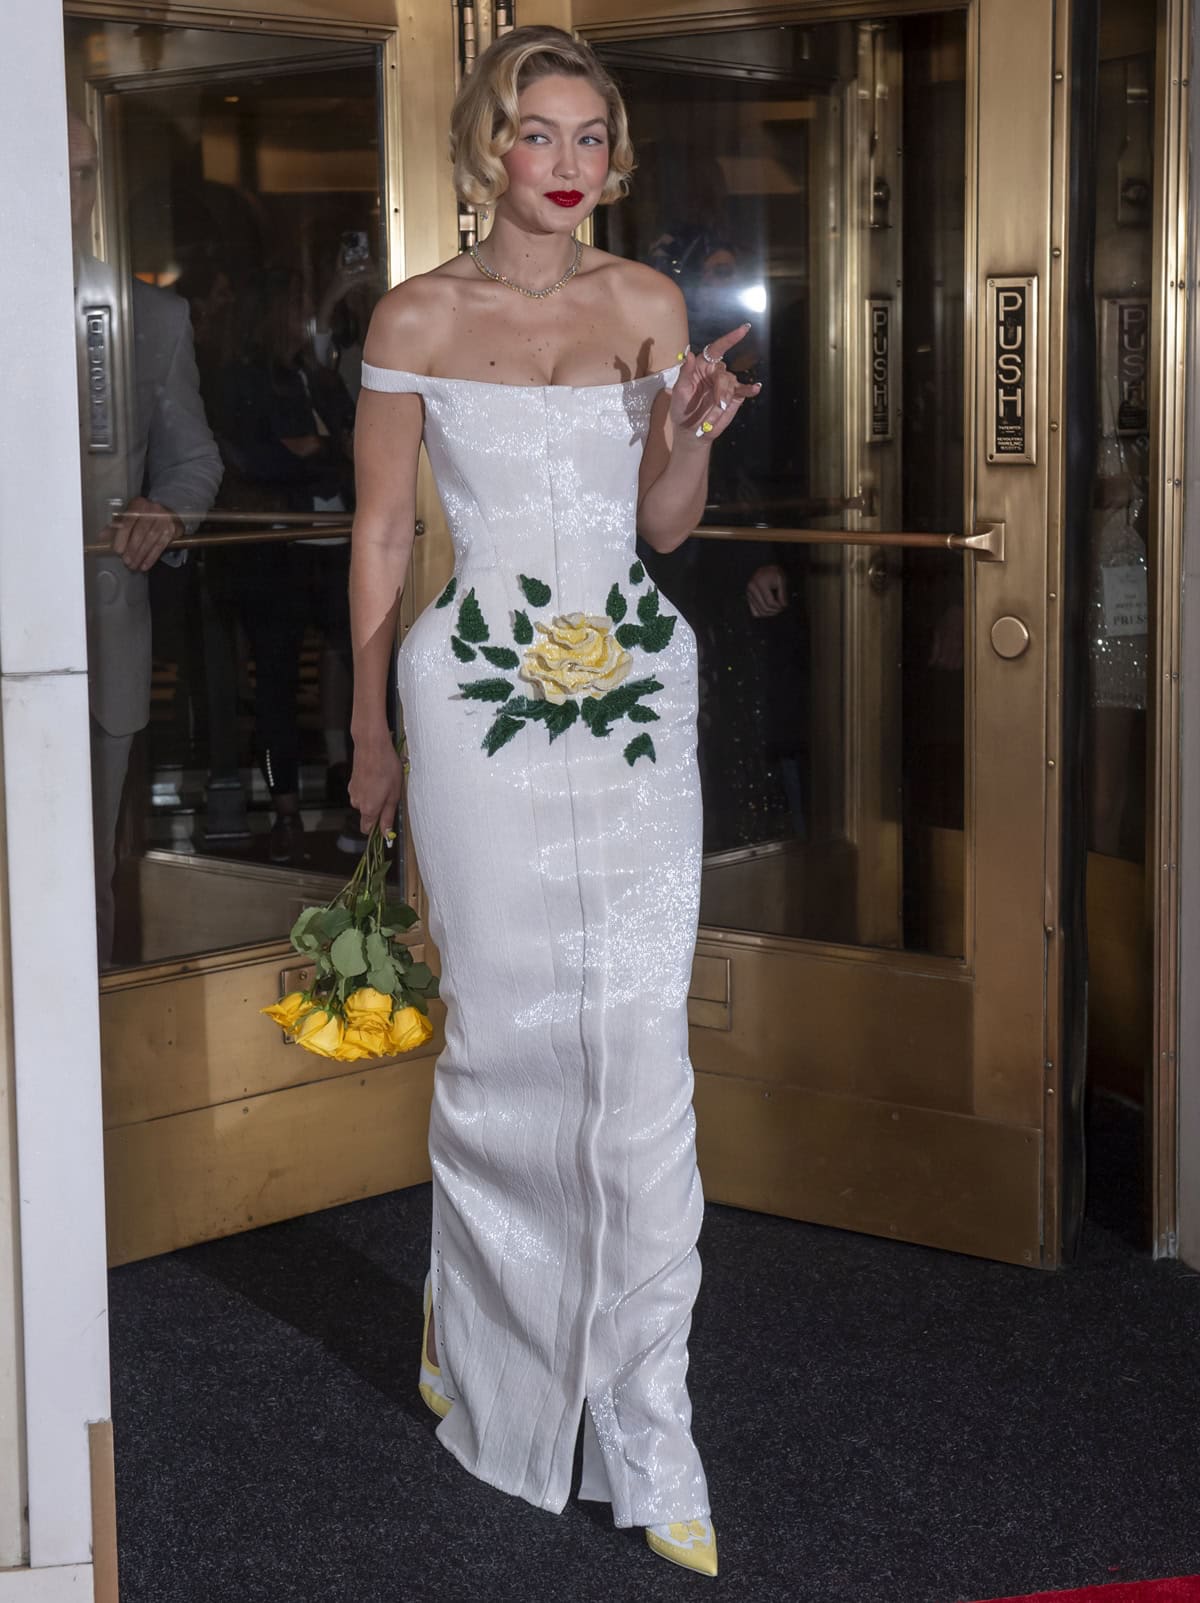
[[140, 501], [287, 430], [549, 699]]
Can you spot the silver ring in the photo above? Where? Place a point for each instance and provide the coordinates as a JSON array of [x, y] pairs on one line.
[[706, 356]]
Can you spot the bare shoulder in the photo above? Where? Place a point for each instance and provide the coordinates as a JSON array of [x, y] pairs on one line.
[[639, 285], [647, 303], [414, 319]]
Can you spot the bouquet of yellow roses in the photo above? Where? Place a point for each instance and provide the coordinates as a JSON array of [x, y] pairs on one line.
[[368, 999]]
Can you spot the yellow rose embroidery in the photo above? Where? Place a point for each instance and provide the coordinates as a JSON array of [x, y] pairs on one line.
[[575, 655]]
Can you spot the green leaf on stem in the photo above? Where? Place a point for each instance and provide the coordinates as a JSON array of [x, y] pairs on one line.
[[349, 954], [399, 914]]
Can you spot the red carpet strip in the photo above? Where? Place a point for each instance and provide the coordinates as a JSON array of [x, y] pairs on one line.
[[1184, 1589]]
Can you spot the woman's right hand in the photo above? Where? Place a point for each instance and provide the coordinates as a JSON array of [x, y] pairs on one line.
[[376, 783]]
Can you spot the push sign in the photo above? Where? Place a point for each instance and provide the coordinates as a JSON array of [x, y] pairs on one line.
[[1012, 376]]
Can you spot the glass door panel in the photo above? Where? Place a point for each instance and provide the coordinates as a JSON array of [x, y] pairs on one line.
[[228, 267], [811, 178]]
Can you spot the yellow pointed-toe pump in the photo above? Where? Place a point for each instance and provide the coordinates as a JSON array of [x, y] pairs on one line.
[[432, 1387], [691, 1543]]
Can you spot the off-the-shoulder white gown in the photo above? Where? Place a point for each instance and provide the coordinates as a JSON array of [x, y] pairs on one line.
[[555, 807]]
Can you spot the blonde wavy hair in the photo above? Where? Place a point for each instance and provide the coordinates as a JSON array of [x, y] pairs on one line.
[[486, 122]]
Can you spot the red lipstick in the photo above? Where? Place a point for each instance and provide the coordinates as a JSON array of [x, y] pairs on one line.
[[565, 197]]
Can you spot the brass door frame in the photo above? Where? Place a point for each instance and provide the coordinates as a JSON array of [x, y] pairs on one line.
[[1168, 386], [417, 82], [1013, 958], [249, 1132]]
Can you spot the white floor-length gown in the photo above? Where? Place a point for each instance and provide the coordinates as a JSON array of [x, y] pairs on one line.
[[549, 698]]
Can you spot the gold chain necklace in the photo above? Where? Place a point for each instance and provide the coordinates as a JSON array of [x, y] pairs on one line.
[[533, 294]]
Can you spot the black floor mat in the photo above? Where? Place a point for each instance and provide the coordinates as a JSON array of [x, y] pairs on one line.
[[880, 1424]]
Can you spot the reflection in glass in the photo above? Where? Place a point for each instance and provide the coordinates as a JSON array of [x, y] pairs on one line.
[[811, 179], [228, 267]]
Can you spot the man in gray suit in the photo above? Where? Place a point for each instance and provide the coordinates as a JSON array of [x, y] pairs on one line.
[[151, 471]]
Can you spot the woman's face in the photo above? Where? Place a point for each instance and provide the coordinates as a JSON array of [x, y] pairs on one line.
[[559, 163]]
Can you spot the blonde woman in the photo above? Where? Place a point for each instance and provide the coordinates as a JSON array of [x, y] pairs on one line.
[[549, 697]]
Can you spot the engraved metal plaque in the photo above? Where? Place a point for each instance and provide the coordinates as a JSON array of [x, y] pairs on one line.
[[1124, 364], [101, 430], [878, 424], [1012, 370]]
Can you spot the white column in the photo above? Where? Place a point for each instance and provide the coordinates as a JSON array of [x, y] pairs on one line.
[[43, 703]]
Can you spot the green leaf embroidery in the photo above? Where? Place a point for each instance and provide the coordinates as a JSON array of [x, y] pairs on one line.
[[527, 707], [629, 634], [447, 595], [522, 629], [640, 746], [470, 620], [560, 718], [643, 715], [648, 606], [616, 606], [657, 633], [461, 649], [501, 732], [617, 703], [500, 656], [487, 690], [590, 709], [637, 573], [349, 954], [535, 591]]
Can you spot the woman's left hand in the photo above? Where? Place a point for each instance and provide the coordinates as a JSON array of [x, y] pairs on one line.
[[707, 396]]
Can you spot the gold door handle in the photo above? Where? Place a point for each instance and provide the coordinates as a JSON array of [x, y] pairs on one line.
[[255, 528], [986, 543]]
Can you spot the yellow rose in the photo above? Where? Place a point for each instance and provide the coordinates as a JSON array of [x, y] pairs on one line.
[[366, 1004], [577, 655], [320, 1032], [409, 1030], [370, 1042], [288, 1009]]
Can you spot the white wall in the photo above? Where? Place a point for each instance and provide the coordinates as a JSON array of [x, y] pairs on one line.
[[13, 1544], [43, 708]]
